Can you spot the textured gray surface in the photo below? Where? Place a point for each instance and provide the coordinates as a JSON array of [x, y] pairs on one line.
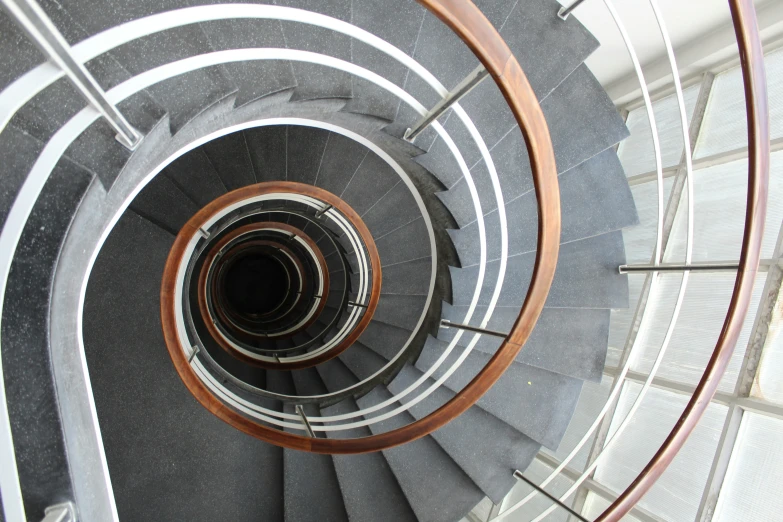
[[408, 278], [230, 156], [30, 394], [543, 401], [19, 151], [305, 146], [486, 448], [414, 464], [406, 243], [341, 159], [316, 81], [372, 179], [396, 22], [149, 421], [19, 54], [267, 146], [384, 339], [369, 488], [253, 78], [395, 209], [570, 341], [362, 361], [402, 311], [194, 174], [164, 204]]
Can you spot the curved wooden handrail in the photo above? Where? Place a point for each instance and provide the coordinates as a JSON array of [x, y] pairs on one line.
[[168, 282], [470, 24], [752, 58]]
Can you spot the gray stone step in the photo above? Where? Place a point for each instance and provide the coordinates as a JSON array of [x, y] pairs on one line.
[[371, 181], [341, 159], [370, 490], [402, 311], [384, 339], [586, 276], [393, 210], [397, 23], [335, 375], [543, 401], [30, 391], [316, 81], [19, 53], [195, 175], [569, 341], [362, 361], [486, 448], [230, 156], [267, 147], [409, 242], [20, 150], [408, 278], [256, 78], [305, 148], [149, 441], [594, 197], [164, 204], [422, 464]]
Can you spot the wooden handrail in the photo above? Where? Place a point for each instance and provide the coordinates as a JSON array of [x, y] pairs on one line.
[[752, 58], [470, 24]]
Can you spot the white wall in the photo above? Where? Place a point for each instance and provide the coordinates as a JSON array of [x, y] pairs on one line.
[[700, 30]]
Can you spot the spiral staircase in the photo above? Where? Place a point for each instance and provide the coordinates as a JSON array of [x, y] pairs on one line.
[[277, 242]]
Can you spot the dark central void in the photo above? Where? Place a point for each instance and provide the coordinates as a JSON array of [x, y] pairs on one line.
[[255, 284]]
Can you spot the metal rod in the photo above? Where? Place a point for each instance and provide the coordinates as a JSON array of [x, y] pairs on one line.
[[34, 21], [203, 233], [193, 353], [322, 211], [350, 303], [306, 422], [564, 12], [518, 474], [464, 87], [60, 513], [706, 267], [448, 324]]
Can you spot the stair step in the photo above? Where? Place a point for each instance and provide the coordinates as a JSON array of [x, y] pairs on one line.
[[306, 146], [407, 278], [370, 490], [150, 440], [335, 375], [255, 78], [486, 448], [543, 401], [396, 23], [19, 151], [393, 210], [230, 157], [384, 339], [586, 276], [569, 341], [164, 204], [341, 159], [316, 81], [362, 361], [267, 146], [194, 174], [435, 486], [402, 311], [409, 242], [372, 180], [19, 53]]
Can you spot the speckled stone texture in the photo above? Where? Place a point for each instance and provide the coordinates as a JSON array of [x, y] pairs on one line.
[[30, 394], [169, 458]]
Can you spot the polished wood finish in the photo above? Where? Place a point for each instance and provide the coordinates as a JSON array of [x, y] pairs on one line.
[[285, 187], [477, 32], [752, 58]]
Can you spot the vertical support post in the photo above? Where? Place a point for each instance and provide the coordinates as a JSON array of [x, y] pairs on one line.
[[40, 29], [464, 87], [565, 12], [306, 422], [518, 474], [64, 512]]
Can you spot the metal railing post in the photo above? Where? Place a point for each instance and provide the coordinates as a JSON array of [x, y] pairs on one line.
[[40, 29], [464, 87], [305, 421], [564, 12], [448, 324], [518, 474], [64, 512]]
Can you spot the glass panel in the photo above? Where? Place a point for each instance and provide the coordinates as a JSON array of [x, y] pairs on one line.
[[751, 490], [620, 321], [698, 327], [640, 239], [596, 504], [719, 213], [591, 400], [725, 123], [769, 385], [537, 472], [677, 494], [636, 152]]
